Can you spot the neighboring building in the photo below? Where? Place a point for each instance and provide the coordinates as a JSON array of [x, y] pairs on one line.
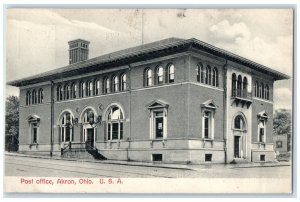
[[173, 100], [280, 144]]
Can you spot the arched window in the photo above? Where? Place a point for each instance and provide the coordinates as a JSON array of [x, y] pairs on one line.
[[34, 97], [267, 92], [123, 83], [114, 123], [28, 98], [59, 93], [96, 87], [106, 85], [115, 84], [208, 75], [239, 123], [159, 75], [66, 127], [215, 77], [199, 69], [245, 86], [88, 117], [170, 73], [148, 77], [203, 74], [89, 88], [81, 89], [261, 90], [40, 96], [256, 89], [73, 90], [239, 86], [233, 85], [67, 91]]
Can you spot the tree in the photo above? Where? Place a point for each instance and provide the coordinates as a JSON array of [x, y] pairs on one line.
[[282, 125], [12, 123]]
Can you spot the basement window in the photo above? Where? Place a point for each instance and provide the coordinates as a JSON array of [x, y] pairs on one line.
[[156, 157], [208, 157], [262, 157]]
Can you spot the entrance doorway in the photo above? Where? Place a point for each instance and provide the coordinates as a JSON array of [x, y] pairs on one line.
[[237, 148], [90, 137]]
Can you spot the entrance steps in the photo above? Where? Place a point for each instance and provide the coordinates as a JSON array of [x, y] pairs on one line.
[[239, 161], [83, 151]]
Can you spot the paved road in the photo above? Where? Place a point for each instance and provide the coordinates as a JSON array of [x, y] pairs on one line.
[[37, 167]]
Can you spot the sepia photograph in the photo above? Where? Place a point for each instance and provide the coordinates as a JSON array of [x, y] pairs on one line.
[[135, 100]]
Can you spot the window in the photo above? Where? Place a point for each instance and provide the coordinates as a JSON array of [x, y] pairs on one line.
[[239, 123], [96, 87], [28, 98], [278, 144], [203, 74], [262, 157], [34, 97], [261, 131], [82, 89], [159, 124], [157, 157], [34, 133], [89, 117], [267, 94], [245, 85], [123, 82], [115, 84], [114, 124], [67, 91], [106, 85], [261, 86], [208, 74], [171, 73], [256, 89], [199, 73], [215, 77], [66, 127], [73, 90], [40, 96], [207, 123], [89, 88], [159, 75], [208, 157], [148, 77], [234, 81], [239, 86]]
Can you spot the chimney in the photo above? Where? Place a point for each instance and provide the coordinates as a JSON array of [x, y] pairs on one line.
[[78, 50]]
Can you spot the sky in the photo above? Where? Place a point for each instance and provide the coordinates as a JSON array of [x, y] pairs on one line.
[[37, 39]]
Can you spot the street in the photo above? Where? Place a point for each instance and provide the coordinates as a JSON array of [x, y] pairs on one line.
[[39, 167]]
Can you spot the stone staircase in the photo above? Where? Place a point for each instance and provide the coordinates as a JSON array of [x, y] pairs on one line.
[[81, 151]]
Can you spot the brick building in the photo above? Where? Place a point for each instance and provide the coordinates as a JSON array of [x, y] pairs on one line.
[[173, 100]]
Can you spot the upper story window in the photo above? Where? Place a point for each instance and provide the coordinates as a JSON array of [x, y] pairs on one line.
[[89, 88], [67, 91], [28, 98], [215, 77], [96, 87], [82, 89], [261, 90], [115, 84], [170, 73], [159, 75], [207, 75], [148, 77], [123, 82], [34, 97], [106, 85], [40, 96], [239, 86], [73, 90]]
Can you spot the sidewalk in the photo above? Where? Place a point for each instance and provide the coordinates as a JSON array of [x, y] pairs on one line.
[[158, 164]]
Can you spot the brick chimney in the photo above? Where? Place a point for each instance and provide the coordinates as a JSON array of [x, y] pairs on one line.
[[78, 50]]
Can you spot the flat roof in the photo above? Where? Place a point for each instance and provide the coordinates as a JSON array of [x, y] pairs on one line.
[[138, 53]]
